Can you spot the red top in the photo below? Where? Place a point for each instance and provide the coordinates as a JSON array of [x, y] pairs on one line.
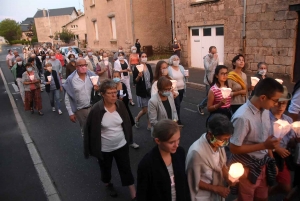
[[134, 60], [61, 58], [218, 96]]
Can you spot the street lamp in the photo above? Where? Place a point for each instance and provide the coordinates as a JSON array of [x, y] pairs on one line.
[[51, 36]]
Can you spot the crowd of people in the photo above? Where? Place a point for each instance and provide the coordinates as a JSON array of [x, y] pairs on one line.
[[239, 127]]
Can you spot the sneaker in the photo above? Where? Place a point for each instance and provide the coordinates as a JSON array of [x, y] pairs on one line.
[[200, 110], [137, 123], [59, 112], [134, 145], [132, 103], [112, 192], [53, 109]]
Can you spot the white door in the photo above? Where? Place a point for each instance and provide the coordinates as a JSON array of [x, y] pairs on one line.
[[201, 39]]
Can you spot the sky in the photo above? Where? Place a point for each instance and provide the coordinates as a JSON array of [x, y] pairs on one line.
[[19, 10]]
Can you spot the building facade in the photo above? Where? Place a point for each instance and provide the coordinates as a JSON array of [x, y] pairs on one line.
[[114, 23], [48, 22], [78, 27], [262, 30], [26, 27]]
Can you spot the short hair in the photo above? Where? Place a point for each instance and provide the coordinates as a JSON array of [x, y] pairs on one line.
[[236, 58], [18, 57], [165, 129], [107, 84], [27, 64], [211, 47], [80, 59], [267, 87], [261, 63], [80, 54], [116, 71], [133, 47], [70, 55], [121, 53], [163, 82], [30, 59], [48, 64], [172, 58], [219, 124]]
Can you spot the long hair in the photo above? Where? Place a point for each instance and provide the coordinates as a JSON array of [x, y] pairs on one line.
[[158, 73], [215, 79]]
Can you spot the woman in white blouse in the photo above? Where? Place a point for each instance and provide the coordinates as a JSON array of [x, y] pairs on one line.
[[176, 72]]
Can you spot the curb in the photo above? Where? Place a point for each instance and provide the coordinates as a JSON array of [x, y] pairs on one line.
[[44, 176]]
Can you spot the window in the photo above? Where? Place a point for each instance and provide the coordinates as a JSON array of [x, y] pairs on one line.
[[92, 3], [74, 26], [219, 31], [195, 32], [113, 28], [96, 30], [206, 31]]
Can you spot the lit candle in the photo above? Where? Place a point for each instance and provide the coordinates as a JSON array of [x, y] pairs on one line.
[[140, 67], [94, 79], [296, 128], [236, 170], [281, 128], [225, 92], [254, 81]]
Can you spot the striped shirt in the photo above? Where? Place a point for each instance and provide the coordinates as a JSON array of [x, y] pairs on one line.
[[218, 96]]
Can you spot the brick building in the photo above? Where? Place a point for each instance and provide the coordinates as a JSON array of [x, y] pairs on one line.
[[112, 23], [57, 17], [262, 30]]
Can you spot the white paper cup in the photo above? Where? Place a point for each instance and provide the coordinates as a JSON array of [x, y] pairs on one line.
[[140, 68], [94, 79], [279, 80], [254, 81], [31, 77], [186, 72], [49, 78], [220, 63], [105, 63]]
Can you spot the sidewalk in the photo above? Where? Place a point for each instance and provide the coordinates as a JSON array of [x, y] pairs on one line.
[[18, 177]]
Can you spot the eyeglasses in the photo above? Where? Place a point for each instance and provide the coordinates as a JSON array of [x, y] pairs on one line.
[[82, 65], [275, 101], [112, 93], [224, 74]]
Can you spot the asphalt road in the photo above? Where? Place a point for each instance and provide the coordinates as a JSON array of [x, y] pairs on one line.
[[60, 146]]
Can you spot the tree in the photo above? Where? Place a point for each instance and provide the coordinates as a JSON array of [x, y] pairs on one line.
[[10, 30], [65, 35]]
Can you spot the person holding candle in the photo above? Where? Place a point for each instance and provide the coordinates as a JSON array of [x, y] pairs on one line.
[[237, 81], [123, 96], [176, 72], [216, 103], [282, 155], [252, 141], [206, 161], [53, 87], [31, 82], [161, 175], [104, 68], [262, 70], [143, 82]]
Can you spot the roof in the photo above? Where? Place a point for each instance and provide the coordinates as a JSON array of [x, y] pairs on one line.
[[74, 19], [25, 24], [56, 12]]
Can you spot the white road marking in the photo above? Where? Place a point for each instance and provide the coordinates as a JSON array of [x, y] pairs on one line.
[[190, 110], [15, 87]]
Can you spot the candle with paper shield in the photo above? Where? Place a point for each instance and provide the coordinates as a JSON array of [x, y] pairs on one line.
[[279, 80], [281, 128], [236, 170], [140, 68], [121, 93], [225, 92], [49, 78], [31, 77], [94, 79], [296, 128], [254, 81], [106, 63]]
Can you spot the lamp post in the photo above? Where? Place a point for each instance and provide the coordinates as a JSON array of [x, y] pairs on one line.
[[51, 36]]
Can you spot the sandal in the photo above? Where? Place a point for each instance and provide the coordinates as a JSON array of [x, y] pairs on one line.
[[32, 111], [40, 113]]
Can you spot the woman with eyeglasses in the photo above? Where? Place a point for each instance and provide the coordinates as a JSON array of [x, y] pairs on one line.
[[106, 136], [206, 161], [161, 105], [143, 82], [215, 102]]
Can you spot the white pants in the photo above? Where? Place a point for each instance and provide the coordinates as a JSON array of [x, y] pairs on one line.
[[126, 81], [21, 88]]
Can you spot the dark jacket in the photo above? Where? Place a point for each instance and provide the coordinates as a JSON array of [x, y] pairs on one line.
[[92, 130], [55, 77], [153, 179], [141, 85], [38, 63], [126, 102]]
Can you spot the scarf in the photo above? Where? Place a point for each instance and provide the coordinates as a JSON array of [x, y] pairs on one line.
[[235, 77]]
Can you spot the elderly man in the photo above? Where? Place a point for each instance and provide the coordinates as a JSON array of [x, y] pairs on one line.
[[116, 55], [78, 88], [17, 70], [9, 59], [91, 60], [16, 54], [56, 64]]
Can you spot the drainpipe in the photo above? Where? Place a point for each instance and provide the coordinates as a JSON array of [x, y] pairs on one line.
[[173, 20], [244, 28], [132, 22]]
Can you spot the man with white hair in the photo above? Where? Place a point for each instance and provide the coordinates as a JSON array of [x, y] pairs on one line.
[[9, 59], [91, 60], [17, 70], [16, 54]]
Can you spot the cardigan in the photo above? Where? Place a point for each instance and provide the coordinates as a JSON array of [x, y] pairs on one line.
[[153, 179], [141, 85], [157, 111], [25, 78], [92, 129]]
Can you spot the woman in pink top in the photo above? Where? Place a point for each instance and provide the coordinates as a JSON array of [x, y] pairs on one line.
[[216, 103]]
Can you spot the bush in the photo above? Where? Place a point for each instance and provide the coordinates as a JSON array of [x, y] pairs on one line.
[[16, 42]]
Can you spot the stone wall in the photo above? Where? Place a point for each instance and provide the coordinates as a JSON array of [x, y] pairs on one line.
[[271, 30]]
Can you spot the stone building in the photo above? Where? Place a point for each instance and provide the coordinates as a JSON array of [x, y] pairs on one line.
[[48, 22], [78, 27], [26, 27], [262, 30], [114, 23]]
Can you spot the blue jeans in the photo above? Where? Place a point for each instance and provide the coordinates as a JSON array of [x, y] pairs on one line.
[[54, 94], [203, 103]]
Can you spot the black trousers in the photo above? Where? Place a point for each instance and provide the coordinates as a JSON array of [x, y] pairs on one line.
[[123, 163], [234, 108], [178, 101]]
